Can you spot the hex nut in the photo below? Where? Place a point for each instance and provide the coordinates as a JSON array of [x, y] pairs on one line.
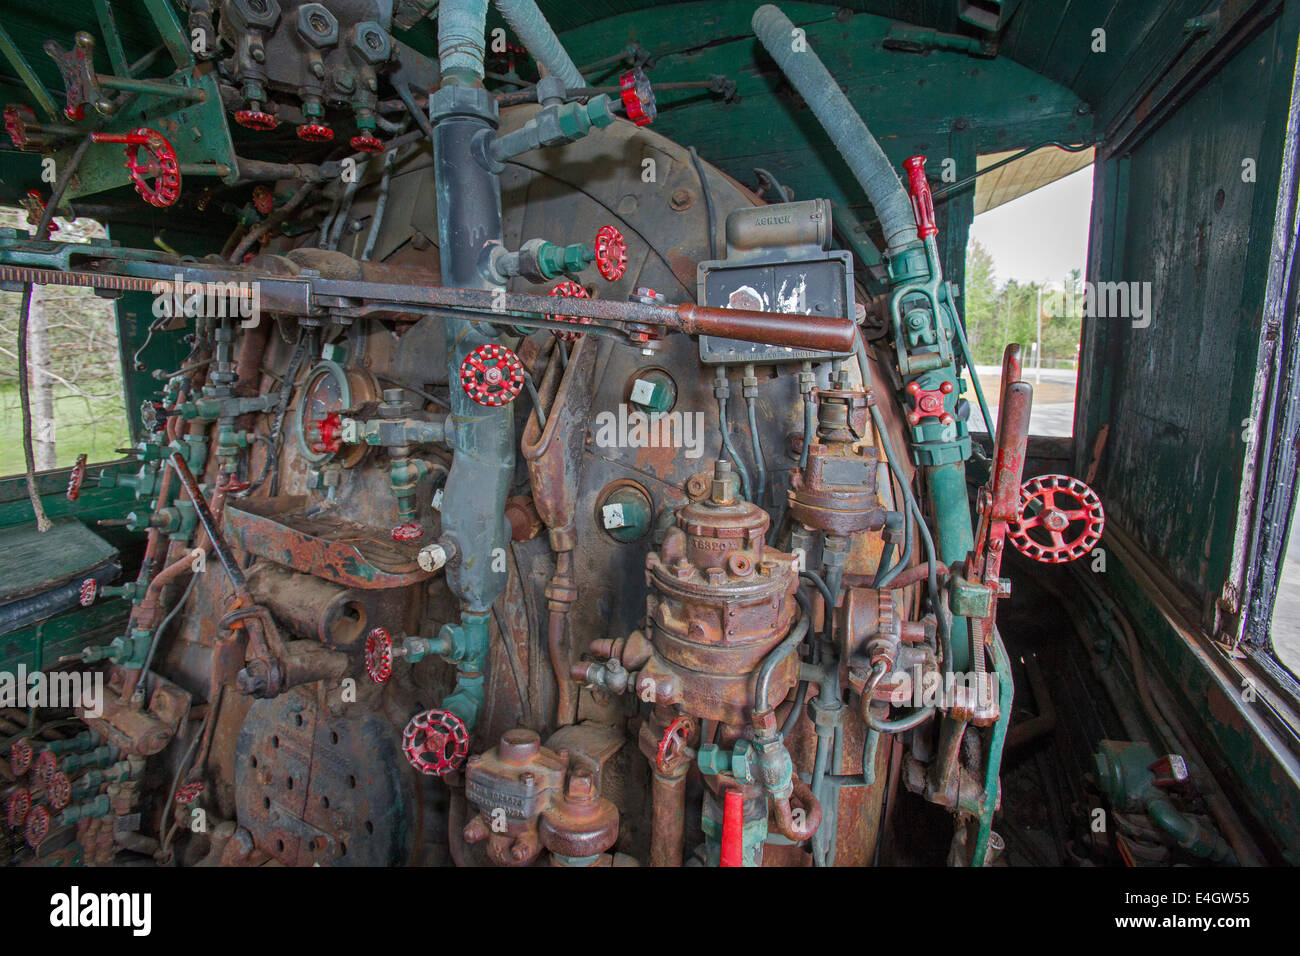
[[317, 25]]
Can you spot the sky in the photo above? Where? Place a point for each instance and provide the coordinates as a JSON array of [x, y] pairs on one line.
[[1042, 235]]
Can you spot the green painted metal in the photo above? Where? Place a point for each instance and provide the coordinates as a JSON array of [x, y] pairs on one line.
[[26, 74]]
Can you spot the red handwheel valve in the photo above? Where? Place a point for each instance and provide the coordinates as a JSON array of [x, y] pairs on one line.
[[1060, 519], [366, 143], [379, 655], [315, 133], [569, 289], [492, 375], [256, 119], [435, 742], [46, 766], [159, 164], [922, 201], [20, 756], [189, 792], [77, 478], [18, 806], [324, 434], [89, 591], [672, 745], [59, 791], [411, 531], [38, 826], [638, 97], [611, 253]]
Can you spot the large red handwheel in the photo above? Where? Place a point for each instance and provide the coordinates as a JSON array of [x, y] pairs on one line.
[[38, 826], [17, 807], [46, 766], [1060, 519], [159, 164], [611, 253], [435, 742], [492, 375], [20, 755], [569, 289], [59, 790], [379, 655], [674, 741]]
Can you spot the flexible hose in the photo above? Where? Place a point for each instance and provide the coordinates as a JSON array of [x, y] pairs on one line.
[[842, 123], [752, 405], [536, 35], [462, 25]]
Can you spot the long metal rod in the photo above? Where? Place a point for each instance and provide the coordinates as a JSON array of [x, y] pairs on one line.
[[191, 486]]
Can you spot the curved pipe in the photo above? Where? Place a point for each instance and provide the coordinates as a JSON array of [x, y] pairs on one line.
[[536, 35], [780, 653], [812, 816], [842, 123]]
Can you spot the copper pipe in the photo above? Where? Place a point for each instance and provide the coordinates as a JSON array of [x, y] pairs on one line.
[[557, 627], [915, 575], [668, 832]]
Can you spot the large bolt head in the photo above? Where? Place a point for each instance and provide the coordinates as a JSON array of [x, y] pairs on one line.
[[431, 557], [371, 43], [256, 14], [317, 25]]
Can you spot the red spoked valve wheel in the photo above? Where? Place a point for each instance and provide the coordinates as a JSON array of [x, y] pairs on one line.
[[189, 792], [77, 478], [379, 655], [17, 807], [411, 531], [157, 175], [59, 791], [89, 591], [572, 290], [46, 766], [366, 142], [435, 742], [1060, 519], [672, 745], [38, 826], [492, 375], [611, 253], [20, 756], [315, 133], [256, 119], [638, 97]]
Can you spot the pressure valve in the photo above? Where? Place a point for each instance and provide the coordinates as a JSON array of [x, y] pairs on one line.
[[435, 742], [638, 97], [1065, 516]]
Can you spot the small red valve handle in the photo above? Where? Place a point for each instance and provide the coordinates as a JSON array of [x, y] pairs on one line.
[[408, 532], [922, 201], [263, 200], [435, 742], [638, 97], [159, 164], [45, 767], [324, 435], [492, 375], [570, 289], [89, 591], [673, 742], [928, 403], [38, 826], [59, 790], [1064, 515], [379, 655], [20, 756], [256, 119], [366, 143], [189, 792], [315, 133], [611, 253], [77, 478], [35, 206], [18, 120], [733, 828], [17, 807]]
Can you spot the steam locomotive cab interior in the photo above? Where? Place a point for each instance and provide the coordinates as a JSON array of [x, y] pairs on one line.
[[553, 434]]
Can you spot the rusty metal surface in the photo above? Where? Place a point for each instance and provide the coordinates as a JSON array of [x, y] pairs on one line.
[[286, 531]]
